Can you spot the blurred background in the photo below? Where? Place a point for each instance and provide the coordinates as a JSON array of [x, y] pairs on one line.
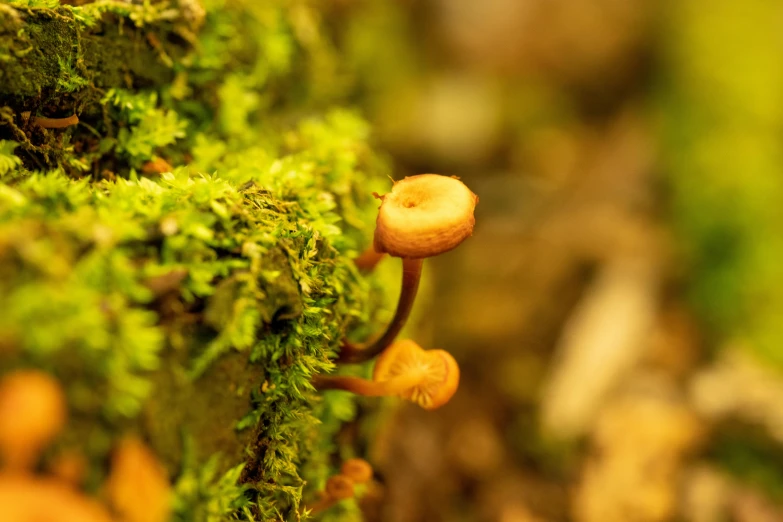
[[617, 313]]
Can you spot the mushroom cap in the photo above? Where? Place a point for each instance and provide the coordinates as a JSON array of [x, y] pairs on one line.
[[437, 371], [358, 470], [138, 487], [70, 466], [424, 216], [339, 487], [25, 498], [32, 413]]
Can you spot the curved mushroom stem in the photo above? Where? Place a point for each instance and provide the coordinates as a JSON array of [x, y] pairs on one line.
[[411, 275], [368, 259], [393, 386]]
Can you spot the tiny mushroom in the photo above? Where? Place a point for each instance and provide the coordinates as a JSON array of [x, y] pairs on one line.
[[356, 469], [32, 413], [338, 487], [138, 487], [25, 498], [423, 216], [428, 378], [70, 466]]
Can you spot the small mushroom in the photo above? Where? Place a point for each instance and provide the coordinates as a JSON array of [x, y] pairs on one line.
[[423, 216], [70, 466], [338, 487], [25, 498], [32, 413], [356, 469], [138, 488], [428, 378]]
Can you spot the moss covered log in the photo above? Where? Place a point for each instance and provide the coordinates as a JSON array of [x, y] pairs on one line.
[[180, 258]]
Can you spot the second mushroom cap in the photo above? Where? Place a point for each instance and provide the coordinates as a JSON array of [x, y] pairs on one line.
[[435, 373]]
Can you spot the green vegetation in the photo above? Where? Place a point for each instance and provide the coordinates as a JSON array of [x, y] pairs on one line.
[[181, 258], [723, 119], [723, 116], [750, 456]]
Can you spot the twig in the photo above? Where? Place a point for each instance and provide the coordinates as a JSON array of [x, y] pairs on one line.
[[56, 123]]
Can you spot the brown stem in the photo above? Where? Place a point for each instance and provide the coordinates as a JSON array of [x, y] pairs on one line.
[[56, 123], [393, 386], [368, 259], [356, 353]]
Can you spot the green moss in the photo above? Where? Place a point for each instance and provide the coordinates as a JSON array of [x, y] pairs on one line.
[[51, 51], [79, 262], [191, 306]]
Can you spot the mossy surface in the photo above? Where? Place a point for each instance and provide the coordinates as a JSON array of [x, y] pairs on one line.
[[181, 258]]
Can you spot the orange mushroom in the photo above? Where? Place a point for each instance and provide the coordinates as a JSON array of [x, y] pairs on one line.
[[428, 378], [356, 469], [341, 487], [70, 466], [24, 498], [338, 487], [32, 413], [423, 216], [138, 488]]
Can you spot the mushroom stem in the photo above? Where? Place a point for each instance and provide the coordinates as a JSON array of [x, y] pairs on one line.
[[393, 386], [368, 259], [357, 353]]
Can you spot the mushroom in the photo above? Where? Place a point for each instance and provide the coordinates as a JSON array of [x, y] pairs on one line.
[[32, 413], [338, 487], [341, 487], [423, 216], [428, 378], [358, 470], [25, 498], [137, 487], [70, 466]]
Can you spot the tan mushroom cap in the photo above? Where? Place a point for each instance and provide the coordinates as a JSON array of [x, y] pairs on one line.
[[138, 487], [424, 216], [339, 487], [435, 372], [356, 469], [70, 466], [32, 413], [24, 498]]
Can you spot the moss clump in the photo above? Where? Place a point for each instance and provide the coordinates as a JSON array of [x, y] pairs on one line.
[[180, 259]]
